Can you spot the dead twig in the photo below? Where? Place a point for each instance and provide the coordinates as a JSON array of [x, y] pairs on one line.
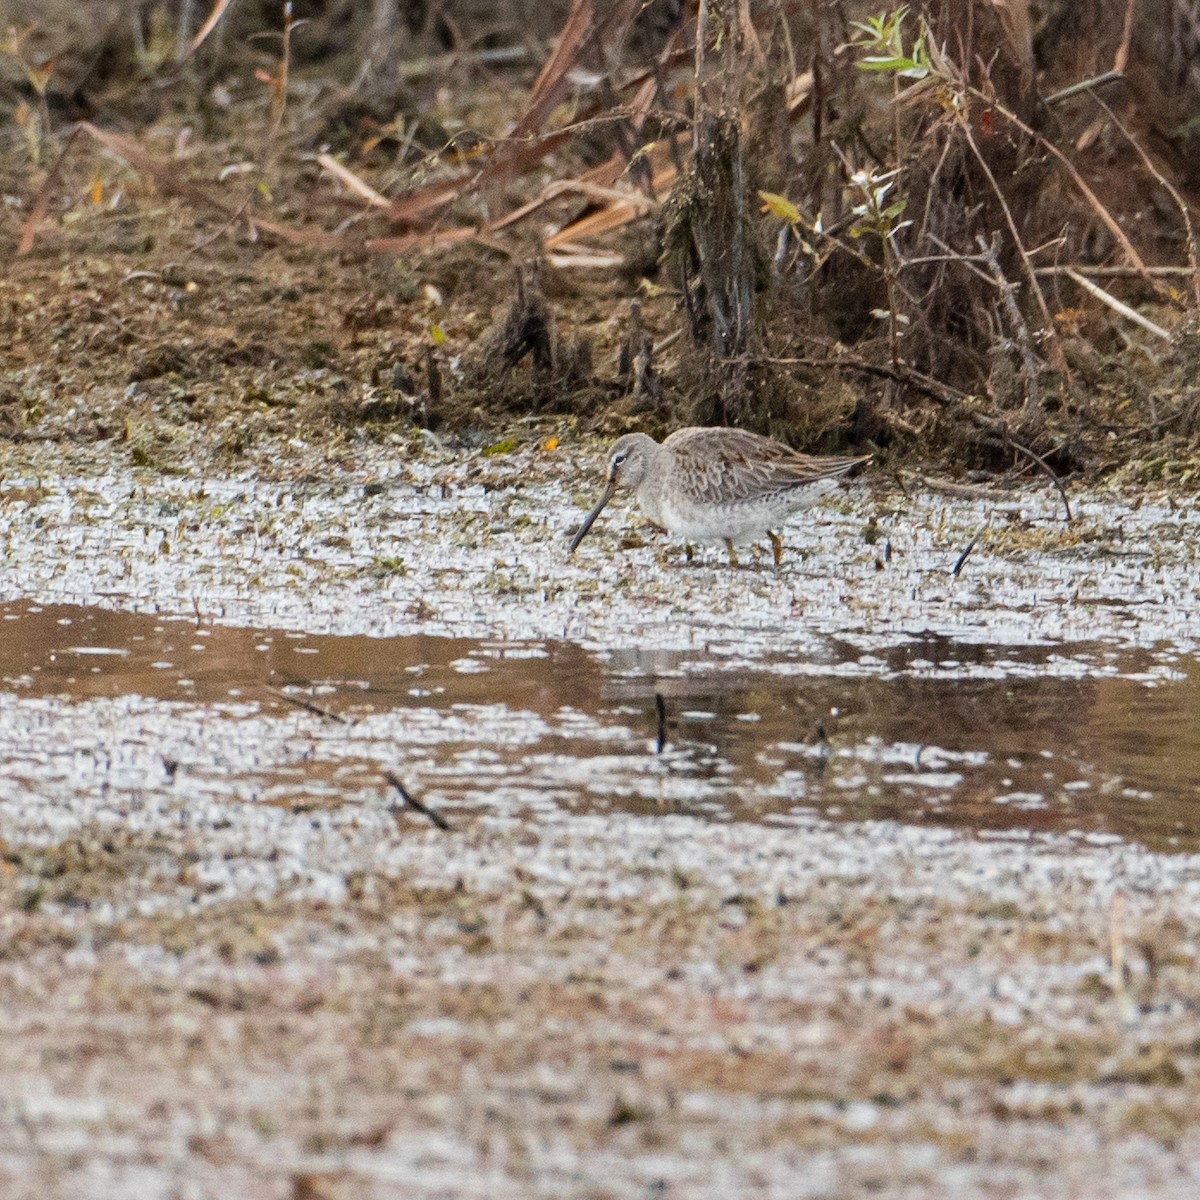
[[1130, 314], [1110, 222], [1118, 964], [220, 232], [209, 25], [966, 491], [580, 31], [1060, 361], [418, 239], [310, 706], [625, 208], [443, 64], [1085, 85], [411, 802], [567, 260], [1121, 58], [943, 393], [1044, 467], [279, 81], [1165, 184], [1000, 428], [563, 187], [1015, 319], [360, 186], [552, 79], [166, 175], [1117, 272], [701, 40], [41, 203], [527, 145]]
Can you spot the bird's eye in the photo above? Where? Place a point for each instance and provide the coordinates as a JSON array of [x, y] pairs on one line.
[[618, 459]]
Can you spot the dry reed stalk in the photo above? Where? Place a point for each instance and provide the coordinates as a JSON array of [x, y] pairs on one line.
[[41, 202], [623, 210], [210, 23], [1060, 361], [1167, 186], [1130, 314], [1110, 222]]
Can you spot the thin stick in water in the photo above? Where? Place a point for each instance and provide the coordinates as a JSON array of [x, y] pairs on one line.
[[962, 558], [824, 749], [411, 802], [310, 706], [1046, 469]]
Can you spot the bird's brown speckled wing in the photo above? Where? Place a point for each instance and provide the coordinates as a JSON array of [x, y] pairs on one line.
[[731, 466]]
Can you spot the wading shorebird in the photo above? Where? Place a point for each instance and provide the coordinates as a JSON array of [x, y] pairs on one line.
[[717, 485]]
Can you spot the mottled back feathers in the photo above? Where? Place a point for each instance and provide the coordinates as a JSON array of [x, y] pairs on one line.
[[732, 466]]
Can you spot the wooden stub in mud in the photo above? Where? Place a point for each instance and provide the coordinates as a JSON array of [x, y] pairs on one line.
[[525, 330], [635, 365]]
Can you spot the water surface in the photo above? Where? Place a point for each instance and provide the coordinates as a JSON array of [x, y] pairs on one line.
[[1087, 738]]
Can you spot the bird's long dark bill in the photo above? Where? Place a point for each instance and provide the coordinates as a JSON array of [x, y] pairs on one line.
[[589, 520]]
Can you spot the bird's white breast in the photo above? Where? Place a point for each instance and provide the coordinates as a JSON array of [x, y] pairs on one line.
[[746, 521]]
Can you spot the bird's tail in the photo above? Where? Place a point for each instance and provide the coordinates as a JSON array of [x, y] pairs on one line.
[[833, 468]]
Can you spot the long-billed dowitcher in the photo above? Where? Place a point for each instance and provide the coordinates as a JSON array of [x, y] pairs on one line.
[[717, 485]]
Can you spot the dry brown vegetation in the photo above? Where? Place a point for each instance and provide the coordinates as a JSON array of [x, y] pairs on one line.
[[962, 230]]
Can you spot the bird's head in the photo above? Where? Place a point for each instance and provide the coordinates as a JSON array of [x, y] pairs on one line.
[[628, 462], [628, 459]]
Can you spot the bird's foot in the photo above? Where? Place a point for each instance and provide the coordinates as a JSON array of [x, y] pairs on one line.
[[776, 546], [733, 558]]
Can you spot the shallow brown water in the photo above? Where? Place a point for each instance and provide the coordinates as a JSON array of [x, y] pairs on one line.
[[928, 730]]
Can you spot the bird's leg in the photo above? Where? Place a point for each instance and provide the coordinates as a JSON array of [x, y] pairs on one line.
[[733, 561], [776, 546], [688, 552]]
